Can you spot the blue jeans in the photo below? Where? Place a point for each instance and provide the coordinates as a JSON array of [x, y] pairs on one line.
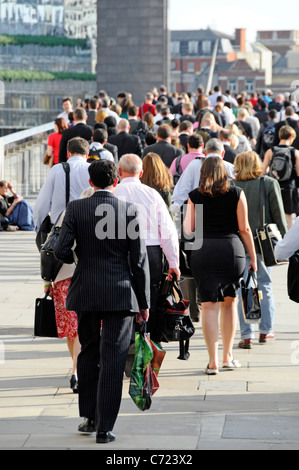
[[267, 303]]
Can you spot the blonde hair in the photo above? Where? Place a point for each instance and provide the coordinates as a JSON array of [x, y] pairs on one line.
[[208, 118], [247, 166], [155, 173], [101, 115], [236, 133]]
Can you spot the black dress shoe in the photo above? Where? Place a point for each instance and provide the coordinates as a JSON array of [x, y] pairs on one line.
[[74, 384], [105, 437], [87, 426]]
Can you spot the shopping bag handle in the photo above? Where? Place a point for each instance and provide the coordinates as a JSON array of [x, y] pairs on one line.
[[173, 285], [251, 275]]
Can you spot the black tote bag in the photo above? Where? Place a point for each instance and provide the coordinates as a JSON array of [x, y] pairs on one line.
[[250, 299], [44, 320]]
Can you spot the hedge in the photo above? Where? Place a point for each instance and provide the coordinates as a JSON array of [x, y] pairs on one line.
[[45, 41], [41, 76]]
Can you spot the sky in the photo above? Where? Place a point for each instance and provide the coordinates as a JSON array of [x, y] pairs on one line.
[[227, 15]]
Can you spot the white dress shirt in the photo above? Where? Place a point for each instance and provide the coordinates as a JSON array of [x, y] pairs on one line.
[[190, 178], [51, 198], [156, 224], [286, 247], [65, 116], [112, 113]]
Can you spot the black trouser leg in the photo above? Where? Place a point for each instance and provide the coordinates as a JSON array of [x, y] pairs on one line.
[[155, 258]]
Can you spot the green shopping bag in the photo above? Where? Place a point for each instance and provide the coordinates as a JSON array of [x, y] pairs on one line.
[[148, 359]]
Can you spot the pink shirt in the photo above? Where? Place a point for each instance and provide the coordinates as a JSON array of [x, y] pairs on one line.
[[185, 160]]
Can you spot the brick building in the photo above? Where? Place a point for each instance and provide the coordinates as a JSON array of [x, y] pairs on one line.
[[191, 58]]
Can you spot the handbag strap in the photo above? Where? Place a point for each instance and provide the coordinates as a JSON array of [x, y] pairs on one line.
[[67, 170], [251, 275], [173, 285], [262, 200]]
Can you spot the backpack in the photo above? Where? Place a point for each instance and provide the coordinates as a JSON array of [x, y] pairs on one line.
[[282, 163], [268, 137], [94, 154], [178, 170], [140, 132]]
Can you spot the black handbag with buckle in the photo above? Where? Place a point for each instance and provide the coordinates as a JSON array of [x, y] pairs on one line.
[[267, 234], [175, 321]]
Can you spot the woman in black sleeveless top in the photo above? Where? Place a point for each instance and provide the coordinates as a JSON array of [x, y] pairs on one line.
[[220, 262]]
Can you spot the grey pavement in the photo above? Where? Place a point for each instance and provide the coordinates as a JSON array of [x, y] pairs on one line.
[[252, 408]]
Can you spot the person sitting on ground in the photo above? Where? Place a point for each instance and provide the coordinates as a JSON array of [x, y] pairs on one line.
[[15, 212]]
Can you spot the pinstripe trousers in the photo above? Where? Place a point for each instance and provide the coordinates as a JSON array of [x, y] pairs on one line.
[[101, 364]]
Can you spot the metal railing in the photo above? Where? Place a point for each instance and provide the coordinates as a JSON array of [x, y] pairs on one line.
[[21, 159]]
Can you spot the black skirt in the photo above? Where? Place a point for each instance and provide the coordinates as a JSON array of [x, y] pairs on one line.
[[218, 267]]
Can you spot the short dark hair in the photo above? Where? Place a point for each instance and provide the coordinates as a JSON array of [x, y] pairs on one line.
[[164, 131], [78, 146], [100, 125], [110, 121], [93, 103], [80, 114], [102, 173], [100, 135], [132, 111], [195, 141], [185, 125]]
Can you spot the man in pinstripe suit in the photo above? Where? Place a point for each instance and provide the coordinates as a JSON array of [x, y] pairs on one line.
[[112, 272]]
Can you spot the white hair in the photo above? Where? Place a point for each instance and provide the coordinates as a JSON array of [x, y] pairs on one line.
[[130, 163]]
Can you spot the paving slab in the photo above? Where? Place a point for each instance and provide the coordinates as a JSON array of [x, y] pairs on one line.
[[252, 408]]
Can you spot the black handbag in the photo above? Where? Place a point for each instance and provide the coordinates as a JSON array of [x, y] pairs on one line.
[[293, 277], [251, 299], [43, 232], [44, 320], [46, 225], [49, 264], [267, 234], [175, 321]]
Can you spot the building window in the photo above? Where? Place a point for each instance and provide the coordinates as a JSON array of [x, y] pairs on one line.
[[27, 102], [173, 65], [190, 67], [175, 47], [206, 47], [184, 47], [193, 47], [249, 85], [232, 85]]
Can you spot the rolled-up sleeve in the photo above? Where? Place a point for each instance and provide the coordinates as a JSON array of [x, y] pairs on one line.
[[286, 247]]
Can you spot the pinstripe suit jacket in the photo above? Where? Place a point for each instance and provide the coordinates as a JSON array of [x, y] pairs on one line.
[[110, 268]]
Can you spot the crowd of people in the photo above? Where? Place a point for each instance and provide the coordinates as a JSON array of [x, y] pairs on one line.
[[145, 166]]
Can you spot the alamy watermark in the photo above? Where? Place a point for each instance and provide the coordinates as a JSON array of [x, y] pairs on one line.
[[149, 225]]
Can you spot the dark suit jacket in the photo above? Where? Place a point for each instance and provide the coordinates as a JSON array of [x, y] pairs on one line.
[[230, 154], [91, 118], [113, 149], [165, 150], [108, 266], [126, 143], [79, 130], [286, 122]]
